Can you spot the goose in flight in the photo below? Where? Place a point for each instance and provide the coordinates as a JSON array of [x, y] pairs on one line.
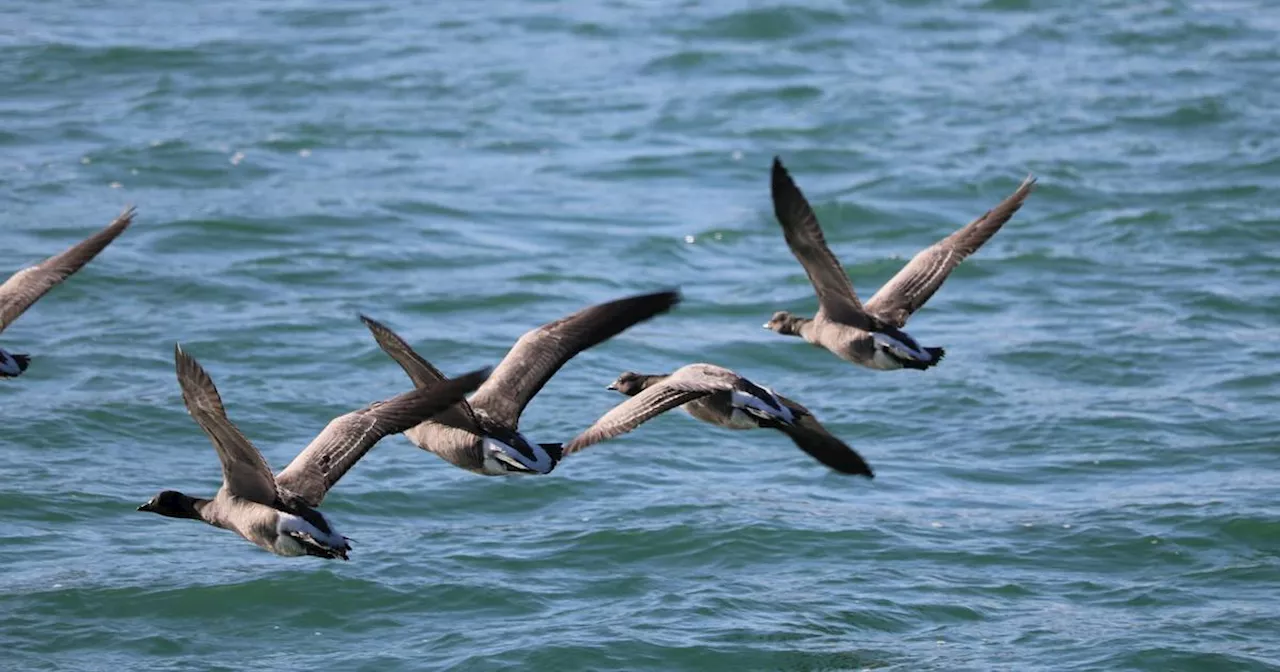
[[482, 434], [723, 398], [278, 513], [871, 335]]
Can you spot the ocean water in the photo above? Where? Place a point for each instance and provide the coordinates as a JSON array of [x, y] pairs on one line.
[[1089, 481]]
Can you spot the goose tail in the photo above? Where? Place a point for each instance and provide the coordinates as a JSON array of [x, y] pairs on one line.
[[317, 548], [15, 367], [935, 356]]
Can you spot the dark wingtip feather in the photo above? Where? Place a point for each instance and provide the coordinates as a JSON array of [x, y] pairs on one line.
[[852, 464], [555, 450], [387, 339], [473, 379], [440, 395], [651, 305], [670, 298], [780, 180], [789, 203], [186, 365], [615, 317], [371, 324], [854, 467], [126, 216], [188, 369], [810, 437]]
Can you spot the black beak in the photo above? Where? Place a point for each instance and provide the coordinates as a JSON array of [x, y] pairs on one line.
[[145, 507], [612, 386]]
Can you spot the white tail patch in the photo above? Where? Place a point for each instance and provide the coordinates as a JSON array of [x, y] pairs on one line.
[[501, 459], [753, 405], [289, 524], [8, 364], [899, 348]]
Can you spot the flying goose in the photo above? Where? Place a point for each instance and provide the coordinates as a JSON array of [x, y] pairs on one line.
[[723, 398], [29, 284], [872, 335], [482, 435], [278, 512]]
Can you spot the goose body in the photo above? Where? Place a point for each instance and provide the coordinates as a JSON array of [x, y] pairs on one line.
[[271, 527], [741, 409], [872, 335], [25, 287], [720, 397], [278, 513], [482, 434]]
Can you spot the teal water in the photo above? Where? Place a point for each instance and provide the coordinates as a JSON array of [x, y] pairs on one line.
[[1088, 482]]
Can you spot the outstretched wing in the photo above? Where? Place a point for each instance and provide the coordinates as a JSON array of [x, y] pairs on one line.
[[349, 437], [685, 385], [631, 414], [421, 372], [803, 234], [29, 284], [245, 473], [540, 353], [810, 436], [907, 291]]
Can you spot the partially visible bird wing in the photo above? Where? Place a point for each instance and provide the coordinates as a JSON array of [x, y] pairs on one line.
[[803, 234], [349, 437], [813, 439], [27, 285], [907, 291], [540, 353], [421, 372], [679, 388], [245, 473]]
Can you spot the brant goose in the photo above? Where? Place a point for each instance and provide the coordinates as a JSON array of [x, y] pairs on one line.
[[872, 335], [482, 435], [721, 397], [278, 512], [29, 284]]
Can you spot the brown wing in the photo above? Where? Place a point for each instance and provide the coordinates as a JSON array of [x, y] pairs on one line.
[[631, 414], [540, 353], [349, 437], [29, 284], [244, 472], [803, 234], [925, 273], [684, 385], [420, 371], [810, 436]]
